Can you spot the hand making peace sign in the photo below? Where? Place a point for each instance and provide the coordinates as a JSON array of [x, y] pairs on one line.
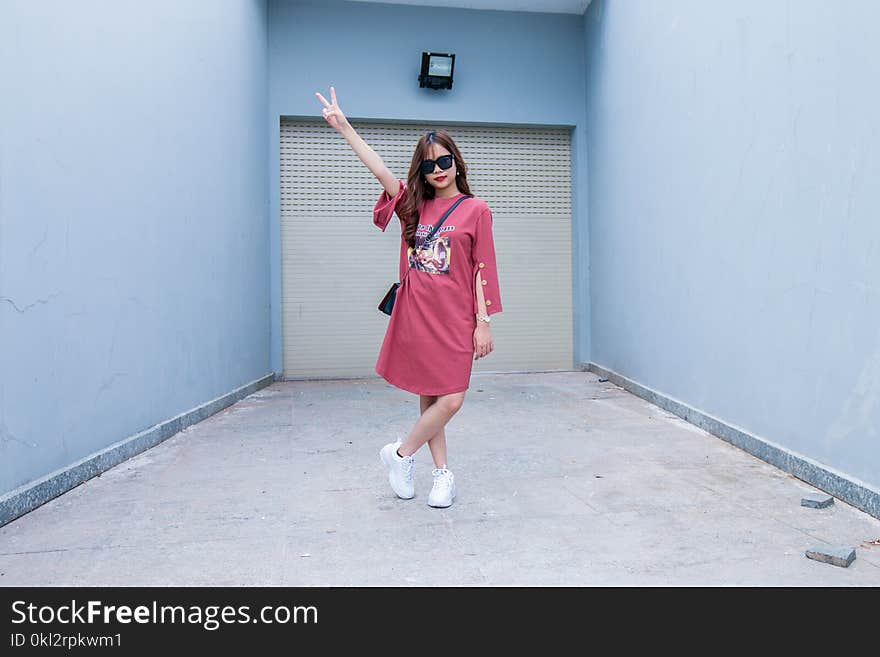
[[332, 114]]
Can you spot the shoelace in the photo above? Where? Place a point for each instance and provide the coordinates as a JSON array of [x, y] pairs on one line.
[[408, 468], [442, 477]]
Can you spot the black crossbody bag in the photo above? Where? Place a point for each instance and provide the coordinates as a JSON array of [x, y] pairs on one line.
[[387, 303]]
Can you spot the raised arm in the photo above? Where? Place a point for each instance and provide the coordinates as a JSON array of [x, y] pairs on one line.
[[334, 116]]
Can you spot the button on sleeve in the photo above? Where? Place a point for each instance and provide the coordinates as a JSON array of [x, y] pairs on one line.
[[386, 206], [483, 254]]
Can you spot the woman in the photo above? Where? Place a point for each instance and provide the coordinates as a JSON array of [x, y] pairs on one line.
[[440, 321]]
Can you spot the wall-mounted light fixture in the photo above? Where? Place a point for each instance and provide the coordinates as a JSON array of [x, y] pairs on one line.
[[437, 70]]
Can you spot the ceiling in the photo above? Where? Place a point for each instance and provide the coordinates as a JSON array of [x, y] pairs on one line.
[[541, 6]]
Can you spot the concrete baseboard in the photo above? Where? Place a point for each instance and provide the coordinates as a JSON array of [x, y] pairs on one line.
[[838, 484], [33, 494]]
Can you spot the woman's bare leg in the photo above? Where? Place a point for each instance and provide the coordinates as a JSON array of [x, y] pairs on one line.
[[431, 422], [437, 444]]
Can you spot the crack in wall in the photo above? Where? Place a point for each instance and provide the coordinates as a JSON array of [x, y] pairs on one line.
[[41, 242], [6, 436], [109, 381], [30, 305]]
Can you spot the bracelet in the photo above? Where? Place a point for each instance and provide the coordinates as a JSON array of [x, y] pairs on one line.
[[484, 318]]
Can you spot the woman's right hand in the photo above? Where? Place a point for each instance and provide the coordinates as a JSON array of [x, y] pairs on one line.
[[332, 114]]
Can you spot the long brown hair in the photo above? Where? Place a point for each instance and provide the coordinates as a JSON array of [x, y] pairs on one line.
[[418, 189]]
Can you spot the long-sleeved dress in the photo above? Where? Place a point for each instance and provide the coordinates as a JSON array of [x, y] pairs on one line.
[[429, 346]]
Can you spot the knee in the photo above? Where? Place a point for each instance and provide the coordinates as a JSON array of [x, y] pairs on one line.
[[451, 403]]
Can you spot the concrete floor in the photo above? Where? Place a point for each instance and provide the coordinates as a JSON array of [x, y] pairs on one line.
[[562, 480]]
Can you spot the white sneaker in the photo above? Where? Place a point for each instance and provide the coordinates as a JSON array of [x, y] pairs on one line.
[[400, 470], [443, 491]]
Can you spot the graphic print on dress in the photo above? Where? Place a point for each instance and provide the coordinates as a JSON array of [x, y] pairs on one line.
[[433, 257]]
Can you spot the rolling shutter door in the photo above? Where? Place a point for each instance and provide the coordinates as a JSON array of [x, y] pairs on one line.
[[336, 265]]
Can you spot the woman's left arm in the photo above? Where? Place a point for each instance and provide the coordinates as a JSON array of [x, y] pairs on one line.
[[483, 259], [483, 344], [486, 280]]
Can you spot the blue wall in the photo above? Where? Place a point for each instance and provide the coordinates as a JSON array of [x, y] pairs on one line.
[[735, 156], [510, 68], [133, 219]]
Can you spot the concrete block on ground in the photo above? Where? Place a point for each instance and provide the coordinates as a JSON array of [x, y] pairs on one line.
[[817, 500], [837, 556]]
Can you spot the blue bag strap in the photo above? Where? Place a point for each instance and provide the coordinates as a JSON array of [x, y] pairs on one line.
[[443, 218]]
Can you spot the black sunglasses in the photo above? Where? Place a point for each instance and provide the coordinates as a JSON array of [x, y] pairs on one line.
[[444, 162]]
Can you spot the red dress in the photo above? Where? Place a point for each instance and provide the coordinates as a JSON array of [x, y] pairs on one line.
[[429, 343]]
